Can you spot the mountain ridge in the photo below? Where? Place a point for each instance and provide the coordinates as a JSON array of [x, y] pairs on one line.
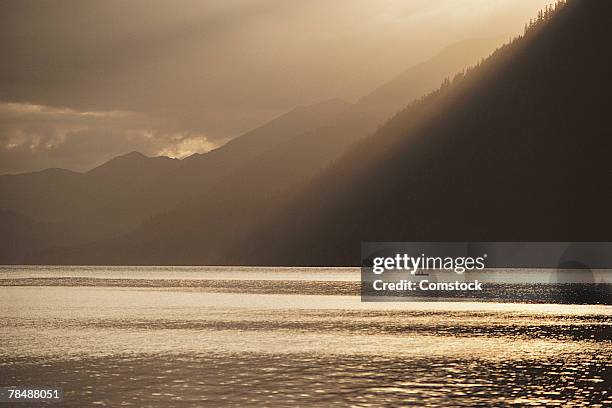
[[512, 150], [122, 200]]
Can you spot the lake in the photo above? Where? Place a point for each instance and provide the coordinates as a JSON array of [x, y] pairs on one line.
[[192, 336]]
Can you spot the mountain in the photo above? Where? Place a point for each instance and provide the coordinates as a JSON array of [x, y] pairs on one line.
[[515, 149], [21, 235], [422, 78], [135, 209], [207, 225], [124, 192]]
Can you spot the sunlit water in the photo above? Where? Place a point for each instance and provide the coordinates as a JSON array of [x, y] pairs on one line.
[[161, 337]]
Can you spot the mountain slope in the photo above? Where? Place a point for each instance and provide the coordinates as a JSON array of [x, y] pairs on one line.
[[422, 78], [21, 235], [516, 149], [206, 227], [124, 192], [195, 209]]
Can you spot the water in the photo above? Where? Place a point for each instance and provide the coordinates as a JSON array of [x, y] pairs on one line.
[[232, 336]]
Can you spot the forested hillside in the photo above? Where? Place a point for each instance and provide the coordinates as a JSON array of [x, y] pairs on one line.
[[517, 148]]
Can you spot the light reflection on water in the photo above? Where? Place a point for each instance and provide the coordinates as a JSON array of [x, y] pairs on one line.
[[321, 380], [181, 272], [177, 347]]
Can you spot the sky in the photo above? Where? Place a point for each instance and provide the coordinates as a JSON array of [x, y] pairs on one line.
[[84, 81]]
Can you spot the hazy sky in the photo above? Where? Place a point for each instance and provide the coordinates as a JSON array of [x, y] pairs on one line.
[[83, 81]]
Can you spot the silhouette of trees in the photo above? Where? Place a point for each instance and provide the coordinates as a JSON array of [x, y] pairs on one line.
[[544, 15]]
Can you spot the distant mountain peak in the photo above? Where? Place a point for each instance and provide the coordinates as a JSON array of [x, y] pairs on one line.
[[131, 162], [50, 172], [133, 155]]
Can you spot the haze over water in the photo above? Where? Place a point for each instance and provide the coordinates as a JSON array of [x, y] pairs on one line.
[[160, 337]]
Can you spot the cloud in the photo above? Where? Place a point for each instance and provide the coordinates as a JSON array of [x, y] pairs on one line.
[[182, 145], [34, 137]]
